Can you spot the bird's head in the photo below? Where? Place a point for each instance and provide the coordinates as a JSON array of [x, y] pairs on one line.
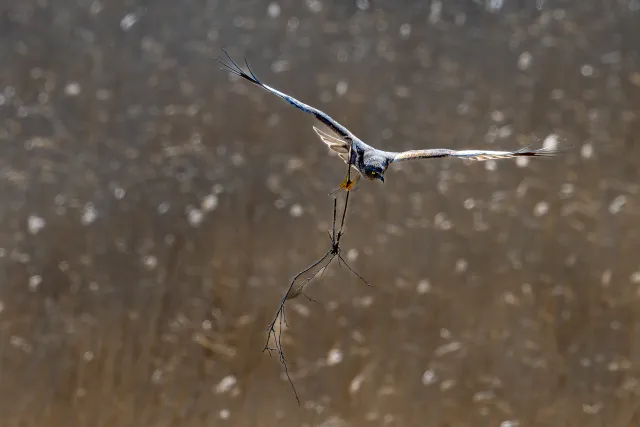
[[375, 164], [374, 172]]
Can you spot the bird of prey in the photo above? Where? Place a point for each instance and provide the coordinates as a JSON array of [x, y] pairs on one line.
[[368, 161]]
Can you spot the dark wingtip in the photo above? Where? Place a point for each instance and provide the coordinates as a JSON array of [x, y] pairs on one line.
[[250, 70], [542, 152], [554, 151], [233, 67]]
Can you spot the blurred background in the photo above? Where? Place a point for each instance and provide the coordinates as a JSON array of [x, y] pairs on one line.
[[153, 211]]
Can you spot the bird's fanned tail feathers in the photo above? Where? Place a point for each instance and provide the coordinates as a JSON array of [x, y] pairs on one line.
[[335, 144]]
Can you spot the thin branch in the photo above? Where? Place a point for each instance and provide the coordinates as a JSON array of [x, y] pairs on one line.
[[353, 271]]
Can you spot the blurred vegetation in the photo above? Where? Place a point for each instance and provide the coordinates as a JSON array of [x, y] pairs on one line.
[[153, 211]]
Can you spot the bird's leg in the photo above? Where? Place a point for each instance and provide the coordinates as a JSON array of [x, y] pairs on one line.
[[348, 184]]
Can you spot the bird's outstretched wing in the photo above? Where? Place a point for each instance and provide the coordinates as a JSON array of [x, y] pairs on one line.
[[473, 154], [234, 68]]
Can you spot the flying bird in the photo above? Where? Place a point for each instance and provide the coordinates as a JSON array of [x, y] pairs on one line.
[[366, 160]]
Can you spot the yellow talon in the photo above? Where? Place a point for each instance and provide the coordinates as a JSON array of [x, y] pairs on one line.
[[347, 184]]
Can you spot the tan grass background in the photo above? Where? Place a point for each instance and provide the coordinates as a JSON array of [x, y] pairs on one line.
[[153, 210]]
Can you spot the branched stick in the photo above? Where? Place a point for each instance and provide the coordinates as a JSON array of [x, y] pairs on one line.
[[330, 255]]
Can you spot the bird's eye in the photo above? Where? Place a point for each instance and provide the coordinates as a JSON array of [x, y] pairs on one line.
[[374, 173]]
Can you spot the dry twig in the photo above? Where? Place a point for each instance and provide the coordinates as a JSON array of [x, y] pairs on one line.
[[333, 252]]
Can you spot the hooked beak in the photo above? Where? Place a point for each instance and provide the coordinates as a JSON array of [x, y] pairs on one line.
[[381, 178]]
